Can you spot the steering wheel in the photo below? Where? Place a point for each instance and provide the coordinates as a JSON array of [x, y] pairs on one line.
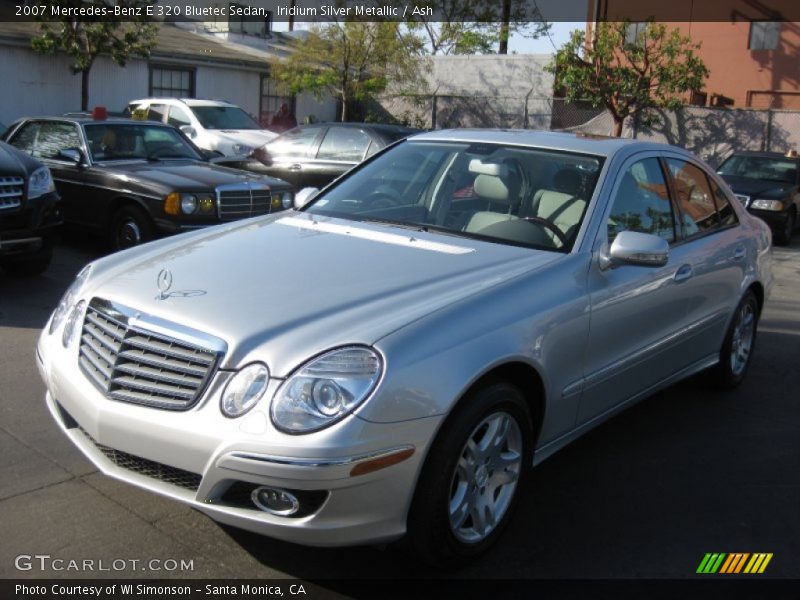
[[550, 226]]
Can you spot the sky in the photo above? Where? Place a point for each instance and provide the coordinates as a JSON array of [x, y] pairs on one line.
[[548, 44]]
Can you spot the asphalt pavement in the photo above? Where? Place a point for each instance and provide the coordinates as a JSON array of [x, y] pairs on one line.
[[646, 495]]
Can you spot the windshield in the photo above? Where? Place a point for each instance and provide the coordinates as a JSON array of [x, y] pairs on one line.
[[123, 141], [505, 194], [224, 117], [760, 167]]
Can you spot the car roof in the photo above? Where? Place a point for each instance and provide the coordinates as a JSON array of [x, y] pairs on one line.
[[758, 154], [552, 140], [186, 101], [88, 121]]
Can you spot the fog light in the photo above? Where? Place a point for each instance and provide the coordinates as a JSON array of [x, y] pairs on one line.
[[275, 501]]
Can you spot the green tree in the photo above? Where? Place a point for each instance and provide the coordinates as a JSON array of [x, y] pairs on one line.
[[85, 40], [475, 26], [350, 61], [628, 74]]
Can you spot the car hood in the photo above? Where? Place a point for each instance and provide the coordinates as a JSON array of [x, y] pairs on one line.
[[757, 187], [282, 289], [251, 137], [14, 162], [186, 174]]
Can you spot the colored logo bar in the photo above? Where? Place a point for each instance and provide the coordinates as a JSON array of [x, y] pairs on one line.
[[734, 563]]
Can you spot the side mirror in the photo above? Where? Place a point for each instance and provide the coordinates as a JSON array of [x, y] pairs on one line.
[[189, 130], [634, 248], [304, 196], [73, 155]]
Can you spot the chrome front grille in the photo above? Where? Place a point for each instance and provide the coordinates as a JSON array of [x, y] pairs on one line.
[[11, 191], [130, 363], [148, 468], [240, 201]]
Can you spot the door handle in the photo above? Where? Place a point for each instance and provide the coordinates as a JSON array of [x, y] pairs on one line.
[[295, 167], [739, 253], [683, 273]]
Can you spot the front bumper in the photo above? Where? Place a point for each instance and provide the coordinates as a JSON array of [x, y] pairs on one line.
[[31, 228], [776, 220], [198, 456]]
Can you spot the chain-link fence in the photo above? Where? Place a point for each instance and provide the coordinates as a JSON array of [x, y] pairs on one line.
[[711, 133]]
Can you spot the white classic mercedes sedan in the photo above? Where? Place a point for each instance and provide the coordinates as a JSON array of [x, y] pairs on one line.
[[388, 360]]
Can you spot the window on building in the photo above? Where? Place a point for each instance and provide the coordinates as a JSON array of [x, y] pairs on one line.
[[634, 32], [764, 35], [273, 95], [171, 82]]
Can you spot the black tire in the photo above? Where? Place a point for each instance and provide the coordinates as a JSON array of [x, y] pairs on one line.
[[732, 369], [130, 226], [28, 265], [431, 535], [784, 236]]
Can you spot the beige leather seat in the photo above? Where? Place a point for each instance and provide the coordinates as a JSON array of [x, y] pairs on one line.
[[496, 190], [563, 207]]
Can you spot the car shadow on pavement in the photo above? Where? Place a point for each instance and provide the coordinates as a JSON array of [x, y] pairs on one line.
[[646, 494], [26, 302]]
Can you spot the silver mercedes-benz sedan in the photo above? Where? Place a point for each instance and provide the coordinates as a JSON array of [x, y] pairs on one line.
[[389, 359]]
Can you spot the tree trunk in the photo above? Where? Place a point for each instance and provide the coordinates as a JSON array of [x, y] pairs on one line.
[[618, 121], [85, 89], [345, 102], [505, 18]]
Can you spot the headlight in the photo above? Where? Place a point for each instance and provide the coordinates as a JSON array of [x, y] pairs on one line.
[[244, 390], [188, 204], [241, 149], [73, 323], [40, 183], [69, 298], [763, 204], [326, 389], [287, 199]]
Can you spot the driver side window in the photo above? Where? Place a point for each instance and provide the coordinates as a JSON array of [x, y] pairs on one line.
[[641, 202]]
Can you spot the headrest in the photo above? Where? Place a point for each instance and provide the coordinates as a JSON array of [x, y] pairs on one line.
[[491, 188], [479, 167]]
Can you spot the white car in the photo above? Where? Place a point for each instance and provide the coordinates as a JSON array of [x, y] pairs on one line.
[[211, 124]]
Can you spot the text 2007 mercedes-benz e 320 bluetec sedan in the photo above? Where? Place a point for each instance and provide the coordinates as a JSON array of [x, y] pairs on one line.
[[388, 359]]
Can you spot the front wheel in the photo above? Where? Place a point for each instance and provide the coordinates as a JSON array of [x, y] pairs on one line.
[[130, 227], [470, 483], [737, 348]]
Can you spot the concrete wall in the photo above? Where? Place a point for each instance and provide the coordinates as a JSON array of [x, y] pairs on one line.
[[475, 91]]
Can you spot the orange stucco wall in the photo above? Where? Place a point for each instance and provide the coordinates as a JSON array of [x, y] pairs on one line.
[[754, 78]]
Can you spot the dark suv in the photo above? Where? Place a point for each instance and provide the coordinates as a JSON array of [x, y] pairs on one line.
[[30, 213]]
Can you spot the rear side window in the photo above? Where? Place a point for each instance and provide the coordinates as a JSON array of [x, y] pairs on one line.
[[54, 137], [641, 202], [727, 215], [156, 112], [343, 143], [694, 198]]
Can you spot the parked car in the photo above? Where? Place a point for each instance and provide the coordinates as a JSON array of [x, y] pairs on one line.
[[133, 180], [315, 155], [768, 185], [30, 213], [422, 345], [211, 124]]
